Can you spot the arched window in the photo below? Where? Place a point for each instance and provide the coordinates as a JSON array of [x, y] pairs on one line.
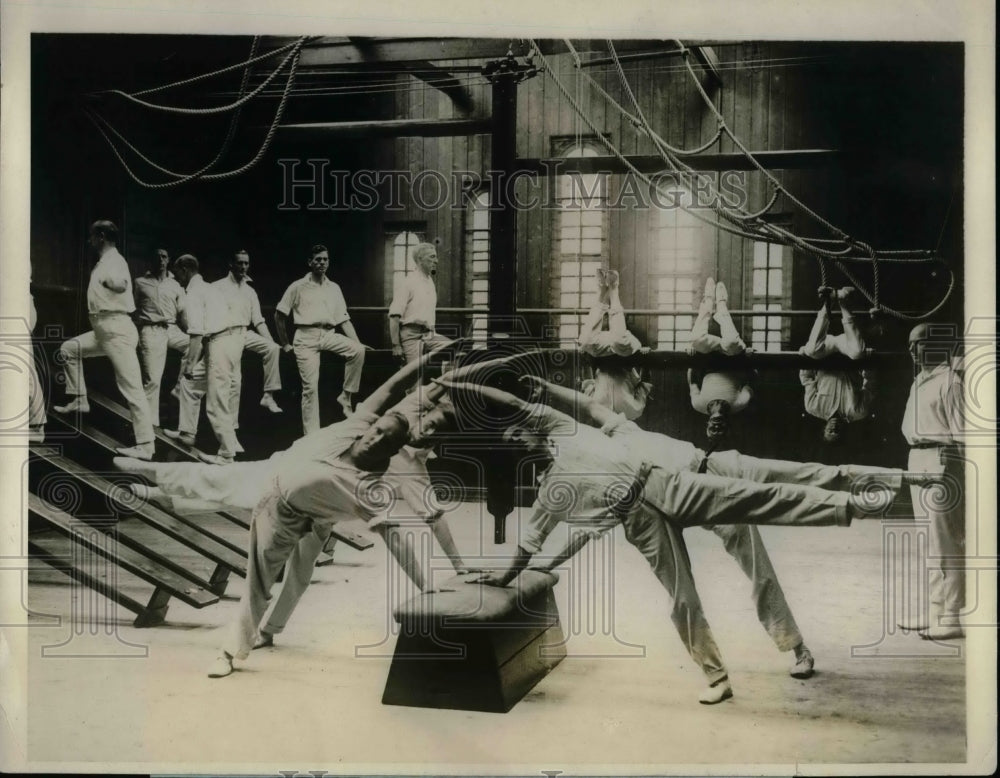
[[580, 245], [477, 262], [399, 245]]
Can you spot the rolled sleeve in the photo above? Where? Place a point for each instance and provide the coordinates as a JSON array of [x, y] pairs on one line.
[[400, 299], [532, 533], [256, 317], [288, 299]]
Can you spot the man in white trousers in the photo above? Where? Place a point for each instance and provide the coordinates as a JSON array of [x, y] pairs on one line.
[[214, 350], [158, 300], [110, 304], [838, 397], [933, 427], [413, 311], [317, 307]]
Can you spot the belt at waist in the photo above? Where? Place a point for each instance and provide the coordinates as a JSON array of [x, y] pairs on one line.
[[236, 328], [416, 326], [934, 445], [163, 324], [316, 326], [102, 314]]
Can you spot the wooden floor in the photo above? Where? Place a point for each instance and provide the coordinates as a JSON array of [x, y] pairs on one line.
[[625, 696]]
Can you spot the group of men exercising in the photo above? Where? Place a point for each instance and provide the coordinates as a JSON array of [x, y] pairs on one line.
[[653, 485]]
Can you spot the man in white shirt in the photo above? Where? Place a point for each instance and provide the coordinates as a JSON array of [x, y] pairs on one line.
[[933, 425], [719, 394], [412, 313], [158, 299], [839, 397], [214, 351], [243, 308], [317, 306], [113, 334]]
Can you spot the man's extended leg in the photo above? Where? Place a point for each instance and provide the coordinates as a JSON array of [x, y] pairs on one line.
[[298, 576], [662, 544], [744, 544], [274, 533], [153, 357]]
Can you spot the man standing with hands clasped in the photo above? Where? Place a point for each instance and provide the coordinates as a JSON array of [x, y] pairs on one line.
[[318, 308], [412, 313]]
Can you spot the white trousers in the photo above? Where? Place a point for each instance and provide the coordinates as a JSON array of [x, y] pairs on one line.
[[821, 344], [728, 341], [213, 379], [309, 343], [154, 340], [270, 353], [946, 546], [115, 337]]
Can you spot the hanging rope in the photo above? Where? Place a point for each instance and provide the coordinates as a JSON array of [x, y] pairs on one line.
[[294, 53], [760, 230], [181, 178]]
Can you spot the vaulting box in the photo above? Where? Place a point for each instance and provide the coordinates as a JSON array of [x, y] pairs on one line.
[[475, 647]]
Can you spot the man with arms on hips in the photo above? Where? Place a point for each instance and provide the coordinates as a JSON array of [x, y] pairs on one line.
[[214, 352], [412, 313], [932, 426], [158, 299], [244, 309], [113, 334], [318, 308]]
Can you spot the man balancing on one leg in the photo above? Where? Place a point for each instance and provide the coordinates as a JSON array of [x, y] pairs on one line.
[[598, 470]]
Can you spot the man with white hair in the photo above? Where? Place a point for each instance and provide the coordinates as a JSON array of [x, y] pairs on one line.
[[413, 311]]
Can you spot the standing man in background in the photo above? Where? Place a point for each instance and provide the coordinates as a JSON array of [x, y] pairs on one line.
[[242, 309], [318, 308], [158, 299], [932, 426], [113, 334], [413, 311], [213, 355]]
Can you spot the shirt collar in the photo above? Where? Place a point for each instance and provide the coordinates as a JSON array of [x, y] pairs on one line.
[[232, 278], [326, 280]]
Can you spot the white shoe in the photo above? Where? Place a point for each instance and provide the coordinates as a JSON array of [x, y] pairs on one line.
[[267, 401], [804, 664], [709, 289], [345, 404], [943, 632], [221, 666], [143, 451], [238, 448], [36, 434], [264, 640], [186, 438], [78, 404], [176, 392], [213, 459], [717, 692], [721, 295], [139, 467]]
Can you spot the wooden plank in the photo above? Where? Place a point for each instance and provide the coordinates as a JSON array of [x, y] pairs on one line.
[[220, 553], [110, 444], [127, 558], [49, 552]]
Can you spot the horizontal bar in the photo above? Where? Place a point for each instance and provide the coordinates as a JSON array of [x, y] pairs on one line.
[[788, 159], [393, 128]]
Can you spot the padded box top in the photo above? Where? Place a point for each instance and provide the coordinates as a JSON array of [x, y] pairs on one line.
[[473, 602]]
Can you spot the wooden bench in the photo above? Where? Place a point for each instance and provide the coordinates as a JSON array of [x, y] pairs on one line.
[[475, 647], [226, 558], [166, 582]]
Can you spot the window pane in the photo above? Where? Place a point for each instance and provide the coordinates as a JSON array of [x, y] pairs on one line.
[[774, 283], [569, 284], [591, 218], [480, 266], [759, 254], [569, 300], [591, 247], [569, 247], [480, 299], [570, 218], [760, 283], [480, 285]]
